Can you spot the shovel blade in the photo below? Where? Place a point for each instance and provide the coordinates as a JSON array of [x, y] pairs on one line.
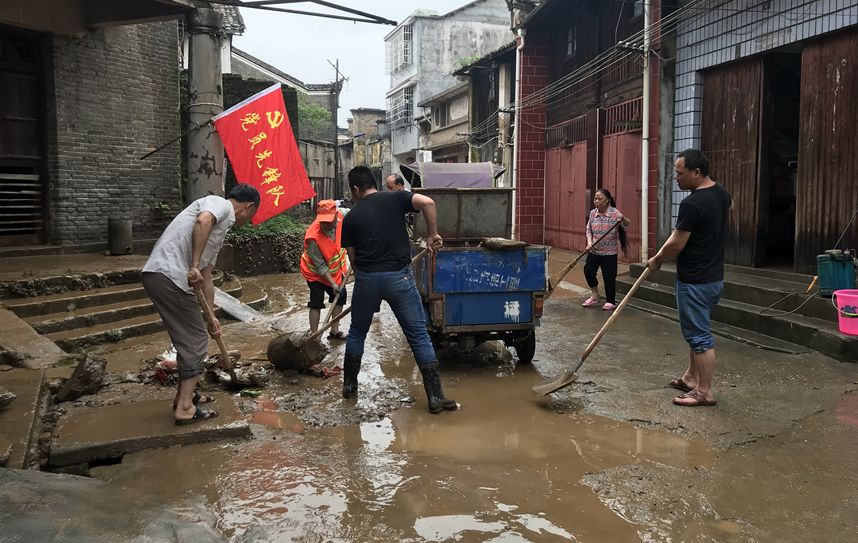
[[558, 383]]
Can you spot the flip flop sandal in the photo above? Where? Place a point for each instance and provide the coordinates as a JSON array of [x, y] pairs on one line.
[[199, 415], [698, 400], [197, 398], [339, 335], [679, 384]]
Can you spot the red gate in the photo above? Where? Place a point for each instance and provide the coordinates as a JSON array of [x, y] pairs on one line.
[[621, 168], [566, 197]]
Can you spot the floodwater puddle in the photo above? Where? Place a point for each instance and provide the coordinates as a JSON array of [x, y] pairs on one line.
[[506, 467]]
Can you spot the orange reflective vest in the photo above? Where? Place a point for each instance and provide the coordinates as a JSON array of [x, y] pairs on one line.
[[331, 249]]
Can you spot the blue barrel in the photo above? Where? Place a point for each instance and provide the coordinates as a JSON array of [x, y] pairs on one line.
[[836, 271]]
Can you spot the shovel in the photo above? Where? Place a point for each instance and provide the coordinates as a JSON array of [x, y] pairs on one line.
[[552, 284], [297, 351], [225, 361], [568, 377]]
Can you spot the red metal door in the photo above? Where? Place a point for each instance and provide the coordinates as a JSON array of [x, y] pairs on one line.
[[552, 198], [621, 174], [566, 197]]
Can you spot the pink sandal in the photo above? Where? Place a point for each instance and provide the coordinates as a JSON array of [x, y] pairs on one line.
[[590, 302], [609, 306]]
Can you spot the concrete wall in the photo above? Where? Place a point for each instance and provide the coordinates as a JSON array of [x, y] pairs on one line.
[[113, 96], [439, 46], [733, 31]]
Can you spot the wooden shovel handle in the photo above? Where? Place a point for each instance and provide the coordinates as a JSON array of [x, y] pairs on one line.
[[348, 310], [208, 315], [337, 296], [613, 317]]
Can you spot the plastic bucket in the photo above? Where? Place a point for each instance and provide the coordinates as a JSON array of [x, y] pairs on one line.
[[846, 302]]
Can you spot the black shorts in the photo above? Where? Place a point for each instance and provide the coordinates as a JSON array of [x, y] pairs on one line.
[[317, 295]]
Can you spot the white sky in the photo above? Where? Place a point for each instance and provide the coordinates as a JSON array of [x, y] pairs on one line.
[[301, 45]]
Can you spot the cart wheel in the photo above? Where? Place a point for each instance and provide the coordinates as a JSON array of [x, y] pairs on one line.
[[526, 348]]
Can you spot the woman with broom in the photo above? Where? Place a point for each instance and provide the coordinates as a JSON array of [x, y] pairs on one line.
[[604, 253]]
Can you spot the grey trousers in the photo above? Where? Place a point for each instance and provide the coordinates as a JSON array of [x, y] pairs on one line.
[[184, 322]]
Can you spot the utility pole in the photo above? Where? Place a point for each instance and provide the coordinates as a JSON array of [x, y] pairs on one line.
[[645, 134], [336, 127], [205, 100]]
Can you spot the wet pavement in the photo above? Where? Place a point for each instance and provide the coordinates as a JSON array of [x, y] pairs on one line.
[[608, 459]]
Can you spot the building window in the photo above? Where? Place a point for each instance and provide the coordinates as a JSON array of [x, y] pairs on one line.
[[572, 41], [400, 109], [493, 83], [638, 9], [399, 50], [441, 118]]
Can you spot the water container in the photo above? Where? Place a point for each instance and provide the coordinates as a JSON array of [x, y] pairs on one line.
[[846, 302], [836, 271], [119, 236]]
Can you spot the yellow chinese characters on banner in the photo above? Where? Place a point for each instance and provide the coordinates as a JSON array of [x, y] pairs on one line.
[[262, 150]]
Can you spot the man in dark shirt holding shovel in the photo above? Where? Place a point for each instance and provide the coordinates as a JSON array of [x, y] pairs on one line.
[[377, 243], [697, 243]]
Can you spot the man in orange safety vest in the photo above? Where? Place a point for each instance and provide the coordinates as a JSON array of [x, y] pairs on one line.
[[324, 264]]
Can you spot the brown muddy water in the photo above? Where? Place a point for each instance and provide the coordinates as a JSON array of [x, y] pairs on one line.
[[505, 468], [772, 463]]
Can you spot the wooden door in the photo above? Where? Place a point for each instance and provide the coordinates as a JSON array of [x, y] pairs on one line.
[[621, 174], [732, 113], [827, 182], [21, 145], [566, 197]]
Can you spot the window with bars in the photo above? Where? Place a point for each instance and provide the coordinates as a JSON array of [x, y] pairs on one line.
[[400, 109], [492, 83], [399, 50], [572, 41]]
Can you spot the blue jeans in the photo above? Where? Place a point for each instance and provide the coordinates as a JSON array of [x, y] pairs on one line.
[[399, 290], [694, 303]]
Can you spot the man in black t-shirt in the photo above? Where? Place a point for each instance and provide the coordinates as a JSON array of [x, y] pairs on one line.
[[698, 245], [379, 250]]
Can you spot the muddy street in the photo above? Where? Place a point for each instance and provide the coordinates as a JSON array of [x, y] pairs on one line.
[[608, 459]]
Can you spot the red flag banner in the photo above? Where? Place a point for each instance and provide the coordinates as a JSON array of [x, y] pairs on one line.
[[258, 139]]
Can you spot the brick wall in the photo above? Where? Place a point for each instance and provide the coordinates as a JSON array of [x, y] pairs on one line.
[[112, 97], [530, 153]]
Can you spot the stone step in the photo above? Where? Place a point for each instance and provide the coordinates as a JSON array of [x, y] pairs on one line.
[[779, 294], [92, 434], [747, 337], [140, 325], [23, 288], [102, 314], [77, 300], [768, 273], [817, 334]]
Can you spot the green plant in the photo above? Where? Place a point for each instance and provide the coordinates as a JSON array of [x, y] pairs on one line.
[[275, 226], [314, 121], [466, 61]]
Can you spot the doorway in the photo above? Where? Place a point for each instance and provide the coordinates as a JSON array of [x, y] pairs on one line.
[[779, 150]]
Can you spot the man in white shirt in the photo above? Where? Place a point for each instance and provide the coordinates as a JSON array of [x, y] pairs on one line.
[[183, 258]]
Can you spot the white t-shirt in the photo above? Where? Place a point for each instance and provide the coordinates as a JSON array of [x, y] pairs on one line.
[[173, 252]]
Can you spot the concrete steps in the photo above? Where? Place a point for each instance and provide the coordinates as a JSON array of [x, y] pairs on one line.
[[747, 294], [77, 319]]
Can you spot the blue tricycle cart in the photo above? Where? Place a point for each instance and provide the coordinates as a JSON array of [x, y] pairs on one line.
[[481, 285]]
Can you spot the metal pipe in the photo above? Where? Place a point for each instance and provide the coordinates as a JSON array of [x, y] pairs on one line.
[[645, 134], [515, 139]]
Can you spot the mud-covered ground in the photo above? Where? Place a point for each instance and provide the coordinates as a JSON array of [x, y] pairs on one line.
[[608, 459]]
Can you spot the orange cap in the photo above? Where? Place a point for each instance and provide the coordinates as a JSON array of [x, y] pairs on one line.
[[326, 210]]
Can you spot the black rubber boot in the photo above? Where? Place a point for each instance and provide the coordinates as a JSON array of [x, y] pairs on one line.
[[351, 368], [434, 392]]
